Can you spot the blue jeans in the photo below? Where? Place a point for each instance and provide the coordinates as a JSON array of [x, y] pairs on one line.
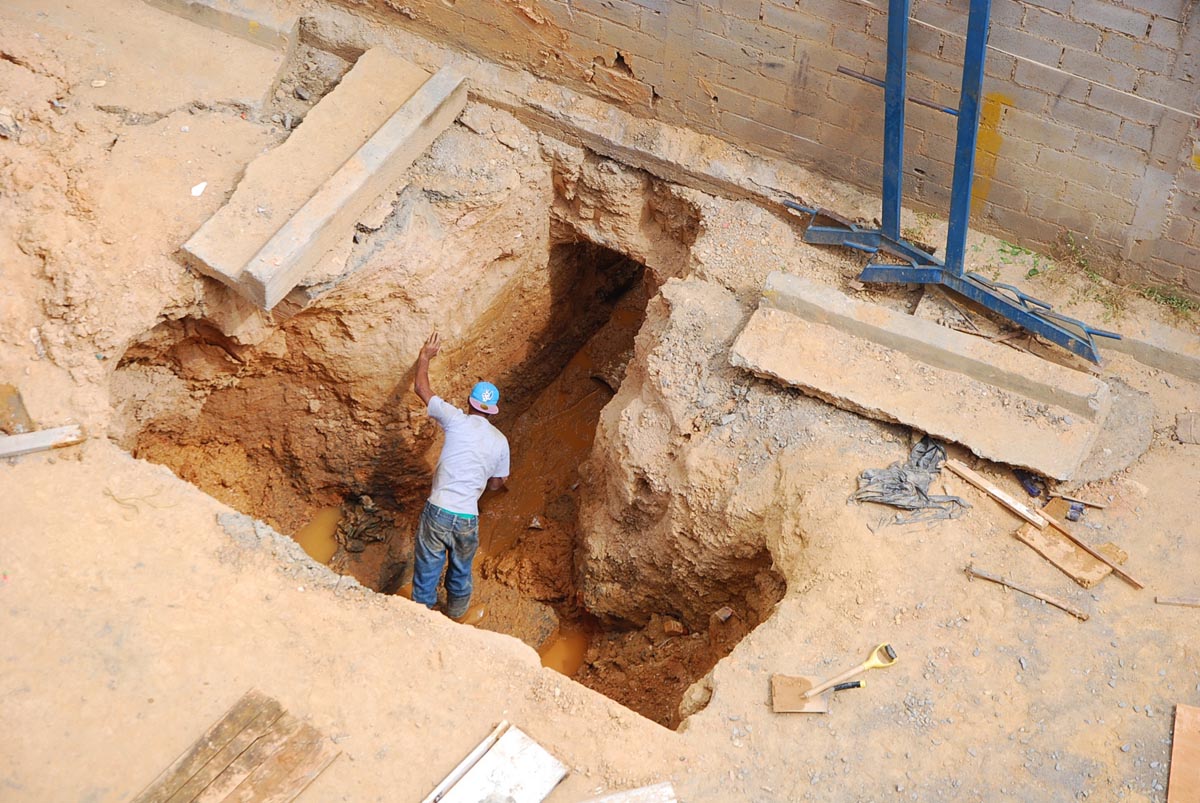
[[441, 533]]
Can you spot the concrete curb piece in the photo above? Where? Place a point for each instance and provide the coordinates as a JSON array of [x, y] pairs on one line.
[[295, 201], [256, 22], [1001, 404], [379, 163]]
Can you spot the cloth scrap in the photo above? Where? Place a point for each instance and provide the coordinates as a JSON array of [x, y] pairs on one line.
[[906, 485]]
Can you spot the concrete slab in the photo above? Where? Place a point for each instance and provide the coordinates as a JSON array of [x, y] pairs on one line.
[[1001, 404], [279, 183], [258, 22], [331, 212]]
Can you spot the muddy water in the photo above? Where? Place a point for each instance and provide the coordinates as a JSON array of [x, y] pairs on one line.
[[565, 651], [317, 537]]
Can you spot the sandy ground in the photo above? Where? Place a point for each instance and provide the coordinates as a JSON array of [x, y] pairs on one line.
[[132, 620]]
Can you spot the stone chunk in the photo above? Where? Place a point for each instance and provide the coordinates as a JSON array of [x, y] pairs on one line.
[[1187, 427], [1001, 404]]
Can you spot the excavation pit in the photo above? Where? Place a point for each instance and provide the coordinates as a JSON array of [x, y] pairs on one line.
[[315, 430]]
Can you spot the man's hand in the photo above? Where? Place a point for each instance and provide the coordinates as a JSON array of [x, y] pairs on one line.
[[421, 379], [432, 346]]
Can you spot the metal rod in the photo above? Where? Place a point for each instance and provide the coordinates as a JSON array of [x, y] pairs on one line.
[[894, 93], [929, 104], [1055, 601], [969, 102]]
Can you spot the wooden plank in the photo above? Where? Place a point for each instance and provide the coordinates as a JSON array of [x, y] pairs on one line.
[[247, 762], [232, 757], [1183, 785], [1183, 602], [1055, 601], [658, 793], [289, 770], [516, 770], [26, 442], [1022, 510], [1058, 525], [204, 749], [14, 418], [1062, 552]]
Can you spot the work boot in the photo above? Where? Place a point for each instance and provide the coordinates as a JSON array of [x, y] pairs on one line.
[[457, 607]]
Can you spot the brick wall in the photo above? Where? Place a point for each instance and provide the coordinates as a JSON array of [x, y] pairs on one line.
[[1091, 123]]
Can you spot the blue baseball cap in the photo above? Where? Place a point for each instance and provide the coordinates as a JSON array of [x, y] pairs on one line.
[[485, 397]]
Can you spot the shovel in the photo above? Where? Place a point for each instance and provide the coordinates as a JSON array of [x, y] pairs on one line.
[[791, 694]]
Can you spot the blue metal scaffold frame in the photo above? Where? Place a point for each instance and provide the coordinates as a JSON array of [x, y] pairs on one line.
[[916, 266]]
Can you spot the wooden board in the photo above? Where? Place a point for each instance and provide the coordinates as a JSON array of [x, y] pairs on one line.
[[516, 770], [658, 793], [15, 445], [1058, 549], [256, 752], [787, 696], [994, 491], [1183, 786]]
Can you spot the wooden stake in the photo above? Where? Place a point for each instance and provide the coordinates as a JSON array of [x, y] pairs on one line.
[[1100, 556], [1024, 511], [1096, 505], [1057, 603], [1183, 602]]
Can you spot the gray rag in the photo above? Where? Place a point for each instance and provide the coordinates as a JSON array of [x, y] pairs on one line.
[[906, 485]]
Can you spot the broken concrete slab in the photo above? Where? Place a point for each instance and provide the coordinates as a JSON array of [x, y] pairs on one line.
[[257, 22], [279, 183], [1187, 427], [1001, 404], [333, 209]]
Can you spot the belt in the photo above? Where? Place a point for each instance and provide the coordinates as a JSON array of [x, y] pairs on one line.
[[455, 514]]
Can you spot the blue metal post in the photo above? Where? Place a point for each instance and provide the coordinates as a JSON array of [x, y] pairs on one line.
[[969, 103], [895, 92]]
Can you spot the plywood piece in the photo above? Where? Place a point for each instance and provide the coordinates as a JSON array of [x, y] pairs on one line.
[[1059, 550], [516, 770], [289, 770], [1183, 786], [204, 749], [28, 442], [658, 793], [787, 696]]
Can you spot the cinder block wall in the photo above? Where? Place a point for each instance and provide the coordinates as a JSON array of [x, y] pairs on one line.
[[1091, 124]]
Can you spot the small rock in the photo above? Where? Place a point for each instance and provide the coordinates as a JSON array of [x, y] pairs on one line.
[[1022, 662], [673, 627], [99, 82], [536, 524], [1125, 748], [303, 94]]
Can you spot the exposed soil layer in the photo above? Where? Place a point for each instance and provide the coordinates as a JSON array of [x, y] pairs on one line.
[[269, 430]]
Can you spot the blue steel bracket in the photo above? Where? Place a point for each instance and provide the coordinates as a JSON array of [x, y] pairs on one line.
[[1024, 310]]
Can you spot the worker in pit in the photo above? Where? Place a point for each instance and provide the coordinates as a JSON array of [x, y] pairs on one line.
[[474, 458]]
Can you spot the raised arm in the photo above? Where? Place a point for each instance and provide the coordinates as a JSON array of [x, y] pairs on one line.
[[421, 380]]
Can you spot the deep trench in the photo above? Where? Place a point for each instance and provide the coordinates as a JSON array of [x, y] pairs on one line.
[[271, 435]]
